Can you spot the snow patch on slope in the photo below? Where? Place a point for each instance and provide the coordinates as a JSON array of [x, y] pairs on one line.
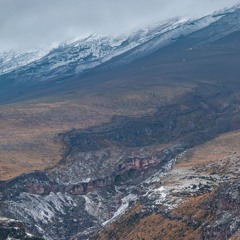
[[123, 208], [42, 209], [11, 60]]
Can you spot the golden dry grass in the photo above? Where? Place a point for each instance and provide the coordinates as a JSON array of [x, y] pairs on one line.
[[224, 146], [28, 131], [157, 226], [203, 159]]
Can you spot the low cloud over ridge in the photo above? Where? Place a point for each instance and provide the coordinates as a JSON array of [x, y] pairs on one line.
[[32, 23]]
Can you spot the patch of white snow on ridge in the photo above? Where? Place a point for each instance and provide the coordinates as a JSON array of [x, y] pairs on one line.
[[86, 53], [11, 60], [123, 208], [41, 208]]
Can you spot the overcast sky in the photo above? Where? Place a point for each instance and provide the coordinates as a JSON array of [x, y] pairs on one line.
[[43, 23]]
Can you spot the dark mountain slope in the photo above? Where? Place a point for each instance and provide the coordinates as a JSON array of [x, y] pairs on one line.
[[14, 88], [188, 67]]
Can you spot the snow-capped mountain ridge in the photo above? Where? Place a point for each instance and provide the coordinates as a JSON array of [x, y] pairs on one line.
[[10, 60], [74, 57]]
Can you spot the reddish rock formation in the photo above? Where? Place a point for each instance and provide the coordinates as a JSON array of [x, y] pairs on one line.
[[138, 163]]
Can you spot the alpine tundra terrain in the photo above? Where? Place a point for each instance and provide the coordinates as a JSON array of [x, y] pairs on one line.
[[135, 137]]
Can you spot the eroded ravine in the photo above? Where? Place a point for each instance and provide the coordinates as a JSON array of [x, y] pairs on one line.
[[105, 167]]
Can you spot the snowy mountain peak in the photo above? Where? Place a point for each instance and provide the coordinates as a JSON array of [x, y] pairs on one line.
[[76, 56]]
